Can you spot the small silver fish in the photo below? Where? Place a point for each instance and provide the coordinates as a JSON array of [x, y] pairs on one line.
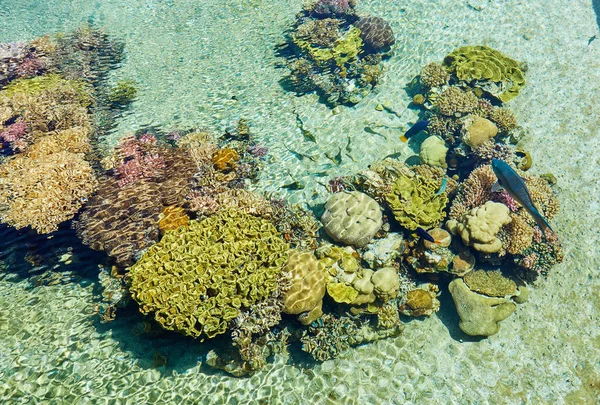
[[514, 185]]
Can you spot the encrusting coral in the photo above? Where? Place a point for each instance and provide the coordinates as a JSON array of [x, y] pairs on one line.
[[479, 315], [198, 278]]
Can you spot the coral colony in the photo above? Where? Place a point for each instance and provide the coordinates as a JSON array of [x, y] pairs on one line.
[[202, 255]]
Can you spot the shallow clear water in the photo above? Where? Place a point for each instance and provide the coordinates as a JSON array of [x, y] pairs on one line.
[[190, 58]]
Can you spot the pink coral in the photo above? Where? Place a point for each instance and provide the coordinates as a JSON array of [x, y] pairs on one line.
[[30, 66], [139, 167], [148, 138], [14, 132], [505, 198]]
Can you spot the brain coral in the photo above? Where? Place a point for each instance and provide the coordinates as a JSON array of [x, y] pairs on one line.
[[482, 63], [375, 32], [197, 279], [415, 202], [44, 191], [305, 296], [351, 217]]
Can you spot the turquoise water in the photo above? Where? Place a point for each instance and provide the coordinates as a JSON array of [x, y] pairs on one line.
[[207, 64]]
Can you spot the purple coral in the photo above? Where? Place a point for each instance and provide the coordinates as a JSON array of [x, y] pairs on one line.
[[258, 150]]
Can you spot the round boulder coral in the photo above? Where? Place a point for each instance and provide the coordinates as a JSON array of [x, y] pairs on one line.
[[376, 33], [199, 278], [352, 217]]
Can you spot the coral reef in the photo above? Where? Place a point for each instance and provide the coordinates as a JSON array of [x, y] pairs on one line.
[[434, 75], [454, 102], [490, 283], [433, 152], [335, 53], [351, 217], [490, 70], [383, 252], [477, 131], [197, 279], [327, 339], [386, 283], [420, 302], [172, 217]]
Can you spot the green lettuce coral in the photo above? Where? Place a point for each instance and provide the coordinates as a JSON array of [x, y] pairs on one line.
[[199, 278], [481, 63], [344, 50], [416, 203]]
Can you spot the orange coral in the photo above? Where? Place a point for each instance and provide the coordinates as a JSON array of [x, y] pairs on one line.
[[225, 158], [172, 217]]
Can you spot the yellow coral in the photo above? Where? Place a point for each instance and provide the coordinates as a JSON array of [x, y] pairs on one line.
[[225, 158], [305, 296], [197, 278], [44, 191]]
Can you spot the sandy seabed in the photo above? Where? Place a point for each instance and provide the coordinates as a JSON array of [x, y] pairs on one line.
[[190, 58]]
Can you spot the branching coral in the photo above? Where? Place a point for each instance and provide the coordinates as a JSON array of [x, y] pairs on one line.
[[454, 102], [197, 279], [473, 192], [434, 75]]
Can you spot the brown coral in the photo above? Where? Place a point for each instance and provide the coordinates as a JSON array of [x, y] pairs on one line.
[[454, 102], [490, 283], [517, 236], [122, 221], [375, 32], [434, 75], [320, 32], [45, 190]]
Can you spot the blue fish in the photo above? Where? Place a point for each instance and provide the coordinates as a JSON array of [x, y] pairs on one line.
[[514, 185], [415, 129], [422, 233]]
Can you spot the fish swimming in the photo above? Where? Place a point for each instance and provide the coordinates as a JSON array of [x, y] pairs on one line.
[[514, 185], [422, 233], [415, 129]]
